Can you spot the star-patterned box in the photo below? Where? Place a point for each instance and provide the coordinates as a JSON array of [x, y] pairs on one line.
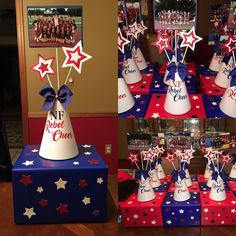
[[158, 85], [203, 186], [71, 190], [232, 185], [156, 107], [218, 213], [142, 214], [163, 188], [193, 188], [181, 213], [203, 70]]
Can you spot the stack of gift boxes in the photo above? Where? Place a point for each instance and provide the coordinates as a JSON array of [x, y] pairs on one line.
[[174, 206]]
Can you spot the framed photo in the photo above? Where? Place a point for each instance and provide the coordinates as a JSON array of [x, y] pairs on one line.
[[133, 11], [232, 16], [54, 26], [174, 15]]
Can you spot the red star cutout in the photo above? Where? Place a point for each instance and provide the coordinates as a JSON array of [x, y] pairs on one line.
[[210, 155], [230, 44], [44, 66], [93, 161], [178, 152], [75, 57], [148, 155], [189, 39], [96, 213], [133, 30], [26, 180], [227, 158], [48, 164], [43, 203], [122, 41], [142, 27], [170, 158], [63, 208], [162, 43], [83, 183], [133, 157], [187, 156]]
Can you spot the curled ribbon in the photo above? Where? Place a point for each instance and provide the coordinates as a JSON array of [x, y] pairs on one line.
[[63, 95], [181, 69]]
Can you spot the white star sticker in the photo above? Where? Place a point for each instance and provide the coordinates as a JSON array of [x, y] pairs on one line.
[[61, 184], [155, 115], [151, 209], [130, 202], [205, 210], [181, 211], [157, 86], [192, 217], [222, 222], [169, 222], [214, 103], [86, 200], [197, 107], [75, 163], [40, 189], [135, 216], [144, 222], [35, 150], [233, 211], [100, 180], [153, 222], [173, 213], [138, 110], [86, 146], [137, 96], [234, 202], [87, 153], [28, 163], [157, 105], [29, 212], [195, 97], [168, 202]]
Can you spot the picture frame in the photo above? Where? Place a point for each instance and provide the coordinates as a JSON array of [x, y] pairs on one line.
[[232, 16], [174, 15], [133, 11], [54, 26]]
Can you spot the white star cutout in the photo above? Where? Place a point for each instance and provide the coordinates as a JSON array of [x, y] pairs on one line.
[[195, 97], [61, 184], [35, 150], [169, 222], [205, 210], [214, 103], [87, 153], [192, 217], [157, 86], [28, 163], [138, 110], [40, 189], [157, 105], [153, 222], [29, 212], [86, 146], [135, 216], [99, 180], [137, 96], [181, 211], [233, 211], [197, 107], [155, 115], [151, 209], [75, 163], [168, 202], [86, 200]]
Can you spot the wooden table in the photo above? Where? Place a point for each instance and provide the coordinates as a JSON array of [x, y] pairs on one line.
[[9, 228]]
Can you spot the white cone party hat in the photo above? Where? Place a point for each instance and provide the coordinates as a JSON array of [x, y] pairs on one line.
[[207, 173], [125, 98], [222, 78], [154, 180], [232, 173], [228, 101], [160, 171], [58, 142], [177, 101], [139, 58], [145, 191], [217, 192], [131, 72], [215, 64], [187, 179], [181, 192], [210, 181]]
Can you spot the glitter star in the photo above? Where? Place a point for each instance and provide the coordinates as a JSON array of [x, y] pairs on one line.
[[142, 27], [133, 30], [29, 212], [227, 158]]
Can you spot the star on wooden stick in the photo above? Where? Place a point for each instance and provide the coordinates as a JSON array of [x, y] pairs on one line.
[[162, 43], [230, 44], [227, 158], [133, 157], [170, 158], [133, 30], [122, 41]]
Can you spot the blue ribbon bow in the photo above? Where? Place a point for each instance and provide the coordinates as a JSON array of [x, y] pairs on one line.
[[64, 95], [140, 173], [136, 44], [127, 53], [171, 54], [227, 58], [233, 77], [176, 174], [181, 69], [159, 161], [184, 166], [233, 158]]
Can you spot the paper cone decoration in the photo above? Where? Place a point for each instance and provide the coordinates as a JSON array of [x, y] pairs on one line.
[[228, 102], [145, 191], [215, 64], [131, 72], [218, 190], [58, 142], [232, 173], [181, 192], [139, 58], [125, 98], [154, 180], [207, 173], [222, 79], [210, 181], [160, 171], [187, 179], [177, 100]]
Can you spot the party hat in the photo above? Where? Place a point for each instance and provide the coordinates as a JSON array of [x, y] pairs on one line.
[[228, 101], [130, 72], [232, 173], [217, 192], [58, 142], [222, 79], [187, 179], [145, 191], [154, 180], [125, 98], [160, 171], [181, 192], [207, 173], [138, 56], [215, 64], [177, 101]]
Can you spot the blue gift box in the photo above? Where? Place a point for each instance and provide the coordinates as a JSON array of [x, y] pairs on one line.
[[152, 68], [158, 86], [203, 186], [211, 105], [163, 188], [181, 213], [205, 71], [73, 190], [140, 107]]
